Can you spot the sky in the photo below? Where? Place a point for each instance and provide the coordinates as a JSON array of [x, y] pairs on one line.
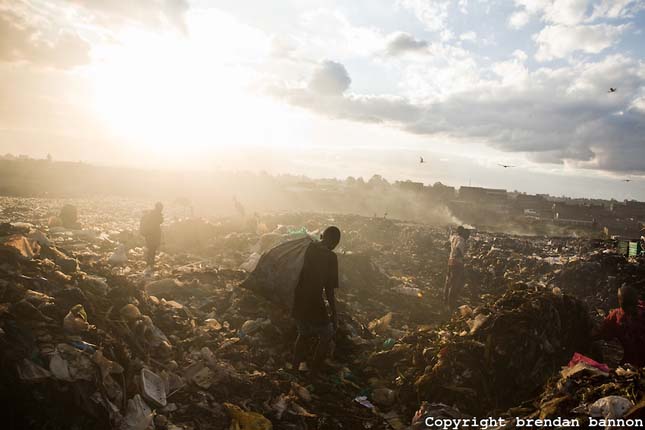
[[335, 88]]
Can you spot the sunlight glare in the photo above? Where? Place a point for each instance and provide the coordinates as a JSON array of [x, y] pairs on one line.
[[175, 94]]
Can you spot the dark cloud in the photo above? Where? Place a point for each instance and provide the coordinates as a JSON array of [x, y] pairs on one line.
[[21, 41], [330, 78], [400, 43], [556, 116]]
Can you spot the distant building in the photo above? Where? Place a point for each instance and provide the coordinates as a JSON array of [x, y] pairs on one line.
[[442, 192], [630, 209], [483, 195], [409, 186]]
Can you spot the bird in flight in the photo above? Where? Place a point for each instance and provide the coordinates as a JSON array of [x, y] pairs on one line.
[[421, 160], [506, 166], [627, 180], [612, 90]]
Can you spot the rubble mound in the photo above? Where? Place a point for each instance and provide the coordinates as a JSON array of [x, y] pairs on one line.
[[573, 394], [505, 352]]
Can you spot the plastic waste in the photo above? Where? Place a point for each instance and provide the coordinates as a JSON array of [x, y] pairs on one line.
[[21, 245], [75, 321], [251, 326], [39, 236], [200, 375], [250, 264], [394, 420], [301, 391], [362, 400], [381, 325], [280, 405], [297, 232], [207, 355], [138, 416], [212, 324], [579, 358], [465, 310], [383, 396], [97, 284], [83, 346], [607, 407], [435, 410], [278, 271], [106, 366], [242, 420], [389, 343], [130, 312], [296, 409], [119, 256], [475, 323], [31, 372], [409, 291], [163, 287], [59, 368], [151, 335], [153, 388]]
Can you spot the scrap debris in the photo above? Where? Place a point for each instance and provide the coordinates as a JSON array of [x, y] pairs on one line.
[[89, 339]]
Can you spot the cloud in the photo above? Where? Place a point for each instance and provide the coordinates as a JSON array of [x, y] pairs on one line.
[[617, 9], [433, 14], [400, 43], [20, 40], [330, 78], [470, 36], [567, 12], [559, 41], [326, 33], [519, 19], [573, 12], [51, 35], [151, 13], [562, 115]]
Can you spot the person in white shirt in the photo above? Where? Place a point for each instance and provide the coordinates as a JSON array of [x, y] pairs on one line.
[[455, 276]]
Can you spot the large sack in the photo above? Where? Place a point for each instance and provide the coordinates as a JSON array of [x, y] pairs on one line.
[[278, 271]]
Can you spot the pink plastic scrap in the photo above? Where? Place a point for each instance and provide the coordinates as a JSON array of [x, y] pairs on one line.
[[579, 358]]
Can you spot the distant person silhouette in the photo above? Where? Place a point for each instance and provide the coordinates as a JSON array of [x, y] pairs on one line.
[[69, 217], [150, 229], [239, 208], [455, 278]]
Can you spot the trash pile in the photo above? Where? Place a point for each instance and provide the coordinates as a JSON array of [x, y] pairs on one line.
[[192, 350], [597, 275], [584, 392], [486, 359], [90, 339]]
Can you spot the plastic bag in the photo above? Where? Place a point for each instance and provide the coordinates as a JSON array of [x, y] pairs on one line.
[[278, 271], [579, 358], [139, 415], [607, 407]]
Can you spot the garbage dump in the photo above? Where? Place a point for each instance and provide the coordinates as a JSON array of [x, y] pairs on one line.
[[588, 395], [89, 339]]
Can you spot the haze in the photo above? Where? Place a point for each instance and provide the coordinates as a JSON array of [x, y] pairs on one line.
[[335, 88]]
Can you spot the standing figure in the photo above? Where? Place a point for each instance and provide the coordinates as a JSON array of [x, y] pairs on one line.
[[150, 228], [627, 324], [455, 278], [314, 322]]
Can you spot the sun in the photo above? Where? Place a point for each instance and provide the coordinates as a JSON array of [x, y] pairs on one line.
[[175, 93]]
